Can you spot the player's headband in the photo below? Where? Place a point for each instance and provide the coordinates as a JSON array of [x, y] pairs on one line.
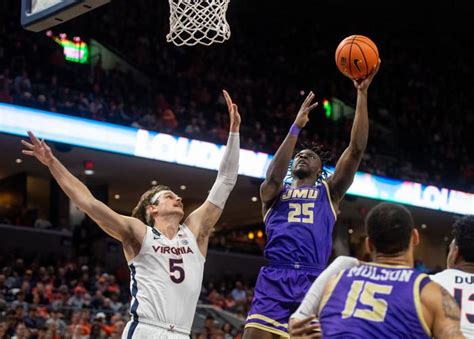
[[156, 196]]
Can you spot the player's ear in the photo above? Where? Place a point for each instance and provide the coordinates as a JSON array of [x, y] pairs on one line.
[[152, 208], [369, 246], [456, 254], [415, 237]]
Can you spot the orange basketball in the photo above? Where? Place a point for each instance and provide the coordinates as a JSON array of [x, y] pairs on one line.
[[357, 56]]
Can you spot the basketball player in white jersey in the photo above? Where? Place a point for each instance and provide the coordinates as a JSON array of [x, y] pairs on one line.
[[457, 279], [166, 258]]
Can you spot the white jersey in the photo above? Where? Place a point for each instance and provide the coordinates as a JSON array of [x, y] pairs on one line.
[[166, 278], [461, 286]]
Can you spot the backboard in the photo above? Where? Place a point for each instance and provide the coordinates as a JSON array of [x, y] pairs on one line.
[[38, 15]]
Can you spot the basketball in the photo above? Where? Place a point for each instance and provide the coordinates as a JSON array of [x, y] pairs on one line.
[[357, 57]]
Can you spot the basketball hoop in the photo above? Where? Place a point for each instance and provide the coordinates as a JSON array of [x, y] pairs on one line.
[[194, 22]]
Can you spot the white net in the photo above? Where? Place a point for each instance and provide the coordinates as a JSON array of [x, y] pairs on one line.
[[195, 22]]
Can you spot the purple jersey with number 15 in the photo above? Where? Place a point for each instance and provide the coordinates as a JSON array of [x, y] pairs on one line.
[[299, 226], [375, 301]]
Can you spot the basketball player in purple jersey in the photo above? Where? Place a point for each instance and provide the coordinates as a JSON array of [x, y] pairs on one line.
[[299, 219], [387, 298]]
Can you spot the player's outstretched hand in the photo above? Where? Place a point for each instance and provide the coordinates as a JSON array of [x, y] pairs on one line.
[[304, 328], [233, 112], [302, 117], [38, 149], [363, 84]]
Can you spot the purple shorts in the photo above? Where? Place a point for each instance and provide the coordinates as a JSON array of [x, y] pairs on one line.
[[278, 293]]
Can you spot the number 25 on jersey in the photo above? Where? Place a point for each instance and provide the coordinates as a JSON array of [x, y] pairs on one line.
[[301, 212]]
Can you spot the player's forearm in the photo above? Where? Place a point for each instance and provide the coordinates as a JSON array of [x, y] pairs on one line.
[[227, 173], [278, 167], [72, 186], [312, 299], [360, 127], [229, 165]]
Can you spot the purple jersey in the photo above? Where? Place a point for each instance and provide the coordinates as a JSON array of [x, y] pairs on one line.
[[375, 301], [299, 226]]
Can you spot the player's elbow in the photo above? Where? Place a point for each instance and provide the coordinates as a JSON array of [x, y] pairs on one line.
[[85, 204], [357, 149]]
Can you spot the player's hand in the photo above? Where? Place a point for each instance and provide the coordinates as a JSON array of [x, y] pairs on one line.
[[38, 149], [304, 328], [302, 116], [233, 112], [363, 84]]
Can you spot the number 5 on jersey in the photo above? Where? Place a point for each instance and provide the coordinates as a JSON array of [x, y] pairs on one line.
[[301, 212], [176, 271]]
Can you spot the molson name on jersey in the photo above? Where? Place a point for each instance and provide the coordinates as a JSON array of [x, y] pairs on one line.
[[382, 274]]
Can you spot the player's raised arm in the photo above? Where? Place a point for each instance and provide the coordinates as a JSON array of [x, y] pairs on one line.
[[350, 159], [312, 299], [202, 220], [118, 226], [444, 312], [278, 167]]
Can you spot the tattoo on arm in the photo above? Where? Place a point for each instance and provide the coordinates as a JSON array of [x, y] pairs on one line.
[[450, 308], [451, 332]]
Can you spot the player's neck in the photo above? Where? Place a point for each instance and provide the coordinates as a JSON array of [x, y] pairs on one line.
[[303, 182], [168, 225], [403, 259], [467, 267]]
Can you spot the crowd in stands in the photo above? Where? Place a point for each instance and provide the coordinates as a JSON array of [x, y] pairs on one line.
[[63, 299], [56, 299], [230, 295], [60, 300], [418, 132]]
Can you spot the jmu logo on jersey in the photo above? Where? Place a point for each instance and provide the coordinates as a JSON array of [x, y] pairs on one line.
[[172, 250], [300, 193]]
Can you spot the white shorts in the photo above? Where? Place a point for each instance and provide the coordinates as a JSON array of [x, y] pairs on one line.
[[139, 330]]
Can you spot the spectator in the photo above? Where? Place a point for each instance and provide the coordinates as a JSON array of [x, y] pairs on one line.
[[32, 321], [238, 293], [20, 301], [56, 326], [227, 330], [42, 222], [209, 324], [3, 330], [115, 304], [97, 331], [3, 287], [98, 300], [229, 302], [61, 298], [77, 301], [21, 331]]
